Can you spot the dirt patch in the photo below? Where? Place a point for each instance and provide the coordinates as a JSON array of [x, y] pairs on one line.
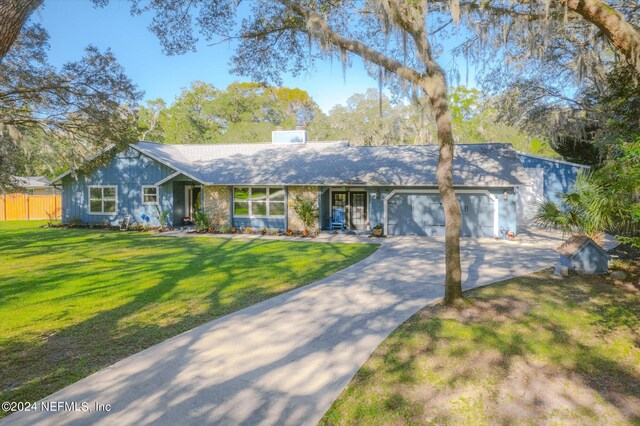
[[625, 252], [531, 350]]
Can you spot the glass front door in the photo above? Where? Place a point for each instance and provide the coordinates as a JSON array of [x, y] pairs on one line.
[[354, 205], [358, 210]]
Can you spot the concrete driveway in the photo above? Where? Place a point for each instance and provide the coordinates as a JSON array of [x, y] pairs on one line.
[[285, 360]]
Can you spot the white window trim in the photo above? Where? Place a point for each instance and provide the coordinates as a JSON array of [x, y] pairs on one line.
[[157, 195], [267, 202], [90, 187]]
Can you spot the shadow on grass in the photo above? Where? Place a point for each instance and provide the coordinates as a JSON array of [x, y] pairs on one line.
[[36, 366], [524, 350]]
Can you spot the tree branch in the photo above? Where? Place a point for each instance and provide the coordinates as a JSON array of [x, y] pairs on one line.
[[622, 34], [316, 23]]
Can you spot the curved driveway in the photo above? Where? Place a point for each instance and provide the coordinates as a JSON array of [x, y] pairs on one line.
[[285, 360]]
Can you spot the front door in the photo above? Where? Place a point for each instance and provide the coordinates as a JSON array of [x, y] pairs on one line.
[[357, 210], [191, 200]]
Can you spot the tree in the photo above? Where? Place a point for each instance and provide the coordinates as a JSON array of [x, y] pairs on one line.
[[552, 53], [192, 118], [67, 114], [243, 112], [13, 15], [287, 36], [621, 33], [149, 119], [372, 119]]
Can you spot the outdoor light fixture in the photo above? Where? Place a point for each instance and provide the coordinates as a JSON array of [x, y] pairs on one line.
[[505, 196]]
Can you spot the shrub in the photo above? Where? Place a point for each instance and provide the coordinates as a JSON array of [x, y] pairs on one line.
[[587, 210], [307, 211], [163, 217], [201, 220]]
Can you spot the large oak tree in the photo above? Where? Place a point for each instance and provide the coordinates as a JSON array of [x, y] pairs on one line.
[[60, 115], [392, 36]]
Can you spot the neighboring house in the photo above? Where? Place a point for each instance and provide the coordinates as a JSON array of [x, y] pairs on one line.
[[255, 185], [34, 185], [33, 199], [548, 178]]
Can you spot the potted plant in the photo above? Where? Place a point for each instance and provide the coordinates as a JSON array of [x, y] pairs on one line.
[[377, 230]]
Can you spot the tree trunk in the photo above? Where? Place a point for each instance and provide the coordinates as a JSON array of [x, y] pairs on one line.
[[621, 33], [410, 17], [13, 15], [436, 89]]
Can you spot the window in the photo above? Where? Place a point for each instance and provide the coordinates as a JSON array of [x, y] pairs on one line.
[[103, 199], [149, 194], [266, 202]]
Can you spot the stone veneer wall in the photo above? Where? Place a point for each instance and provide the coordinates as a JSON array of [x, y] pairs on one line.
[[310, 192], [217, 205]]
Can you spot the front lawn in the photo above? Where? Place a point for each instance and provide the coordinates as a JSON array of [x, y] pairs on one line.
[[73, 301], [526, 351]]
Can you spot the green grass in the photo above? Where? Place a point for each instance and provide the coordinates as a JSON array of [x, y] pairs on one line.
[[74, 300], [526, 351]]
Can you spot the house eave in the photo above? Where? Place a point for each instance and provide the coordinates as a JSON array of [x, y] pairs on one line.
[[172, 166]]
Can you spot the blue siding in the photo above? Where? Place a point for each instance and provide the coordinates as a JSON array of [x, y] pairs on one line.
[[559, 177], [128, 171], [258, 223]]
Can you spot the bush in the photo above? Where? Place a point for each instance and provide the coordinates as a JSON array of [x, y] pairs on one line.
[[307, 211], [586, 210], [163, 217], [201, 221]]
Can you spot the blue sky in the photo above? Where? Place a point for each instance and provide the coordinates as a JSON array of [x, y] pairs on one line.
[[73, 24]]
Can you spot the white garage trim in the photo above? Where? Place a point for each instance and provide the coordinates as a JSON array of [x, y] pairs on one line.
[[496, 206]]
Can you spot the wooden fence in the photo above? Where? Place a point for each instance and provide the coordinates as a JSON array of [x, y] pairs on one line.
[[30, 207]]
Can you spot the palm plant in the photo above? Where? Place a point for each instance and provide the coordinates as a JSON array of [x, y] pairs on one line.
[[587, 210]]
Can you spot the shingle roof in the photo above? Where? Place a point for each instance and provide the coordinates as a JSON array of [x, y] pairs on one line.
[[31, 181], [575, 243], [338, 164]]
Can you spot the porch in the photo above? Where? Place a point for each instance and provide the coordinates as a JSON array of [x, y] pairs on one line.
[[354, 202]]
